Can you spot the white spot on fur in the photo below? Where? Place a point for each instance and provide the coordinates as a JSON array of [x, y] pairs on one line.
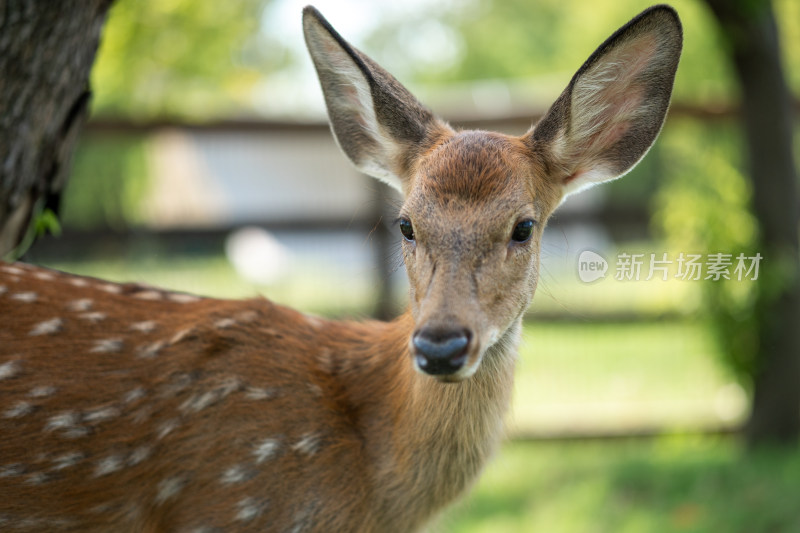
[[12, 470], [79, 282], [19, 410], [314, 321], [308, 445], [169, 488], [107, 346], [68, 423], [13, 270], [246, 316], [64, 421], [44, 276], [9, 369], [68, 460], [234, 474], [3, 289], [249, 509], [101, 414], [224, 323], [326, 362], [148, 351], [179, 336], [42, 391], [110, 288], [228, 385], [302, 519], [48, 327], [76, 432], [178, 382], [133, 395], [27, 297], [142, 415], [259, 393], [148, 295], [106, 466], [198, 402], [145, 327], [138, 455], [84, 304], [166, 428], [37, 478], [94, 317], [182, 298], [266, 450]]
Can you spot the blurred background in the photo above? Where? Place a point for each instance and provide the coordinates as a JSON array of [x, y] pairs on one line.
[[207, 166]]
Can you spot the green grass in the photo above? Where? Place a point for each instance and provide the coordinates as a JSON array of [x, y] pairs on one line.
[[609, 377], [671, 485]]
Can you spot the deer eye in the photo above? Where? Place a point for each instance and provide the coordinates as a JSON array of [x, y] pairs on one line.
[[406, 229], [522, 231]]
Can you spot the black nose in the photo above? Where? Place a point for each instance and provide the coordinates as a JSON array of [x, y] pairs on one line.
[[441, 352]]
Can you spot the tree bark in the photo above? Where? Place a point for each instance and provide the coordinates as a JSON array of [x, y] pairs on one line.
[[750, 29], [46, 52]]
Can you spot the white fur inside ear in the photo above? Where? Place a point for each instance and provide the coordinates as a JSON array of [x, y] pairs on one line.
[[356, 101], [587, 179], [609, 97], [607, 100]]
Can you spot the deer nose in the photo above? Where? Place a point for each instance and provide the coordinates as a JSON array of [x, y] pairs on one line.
[[441, 352]]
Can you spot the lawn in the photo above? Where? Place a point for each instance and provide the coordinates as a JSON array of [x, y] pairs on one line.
[[584, 377], [672, 484]]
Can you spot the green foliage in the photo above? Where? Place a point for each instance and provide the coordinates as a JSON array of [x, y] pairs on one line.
[[703, 207], [47, 222], [44, 221], [199, 58], [546, 41], [182, 58], [108, 183]]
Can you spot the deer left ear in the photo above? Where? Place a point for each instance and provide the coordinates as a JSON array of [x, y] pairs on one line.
[[378, 124], [612, 111]]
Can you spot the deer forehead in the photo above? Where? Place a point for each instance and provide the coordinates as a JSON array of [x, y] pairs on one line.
[[476, 182], [473, 166]]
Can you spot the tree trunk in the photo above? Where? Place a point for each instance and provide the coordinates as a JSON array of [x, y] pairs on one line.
[[46, 52], [750, 29]]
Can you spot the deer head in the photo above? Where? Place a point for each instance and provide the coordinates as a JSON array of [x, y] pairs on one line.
[[476, 202]]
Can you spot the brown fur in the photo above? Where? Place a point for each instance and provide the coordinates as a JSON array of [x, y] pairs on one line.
[[127, 408]]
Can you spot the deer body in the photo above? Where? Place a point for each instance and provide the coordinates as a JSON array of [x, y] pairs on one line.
[[128, 408], [183, 413]]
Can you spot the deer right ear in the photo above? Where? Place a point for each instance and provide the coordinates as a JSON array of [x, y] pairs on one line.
[[378, 124], [612, 111]]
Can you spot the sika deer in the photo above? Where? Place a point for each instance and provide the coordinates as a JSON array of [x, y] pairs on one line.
[[125, 408]]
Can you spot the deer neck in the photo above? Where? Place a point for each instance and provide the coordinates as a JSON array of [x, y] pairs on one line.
[[426, 440]]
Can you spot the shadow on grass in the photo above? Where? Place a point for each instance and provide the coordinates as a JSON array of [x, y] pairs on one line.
[[669, 485]]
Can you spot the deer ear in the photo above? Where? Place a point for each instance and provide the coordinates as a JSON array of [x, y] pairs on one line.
[[378, 124], [613, 108]]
